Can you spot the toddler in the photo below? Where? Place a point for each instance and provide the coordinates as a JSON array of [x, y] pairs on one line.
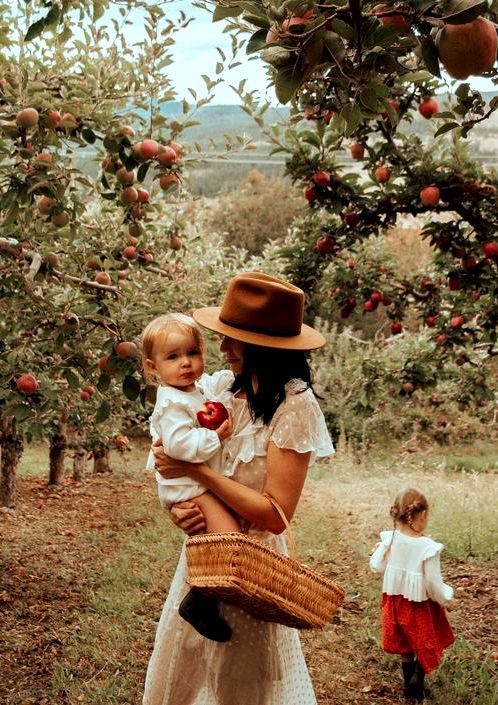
[[414, 622], [173, 355]]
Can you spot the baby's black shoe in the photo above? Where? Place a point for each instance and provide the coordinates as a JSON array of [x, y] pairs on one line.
[[203, 614]]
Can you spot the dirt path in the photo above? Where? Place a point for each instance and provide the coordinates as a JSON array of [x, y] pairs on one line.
[[50, 559]]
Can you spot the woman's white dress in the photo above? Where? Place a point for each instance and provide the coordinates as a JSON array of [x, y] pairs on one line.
[[263, 663]]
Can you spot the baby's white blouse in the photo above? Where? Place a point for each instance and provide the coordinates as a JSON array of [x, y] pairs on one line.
[[411, 567], [174, 421]]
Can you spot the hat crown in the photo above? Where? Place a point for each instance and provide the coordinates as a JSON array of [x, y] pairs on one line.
[[260, 303]]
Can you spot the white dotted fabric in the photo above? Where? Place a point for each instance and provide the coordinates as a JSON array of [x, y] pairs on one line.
[[263, 663]]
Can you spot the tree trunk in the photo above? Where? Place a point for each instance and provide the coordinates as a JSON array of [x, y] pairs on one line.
[[12, 446], [101, 459], [79, 464], [58, 445]]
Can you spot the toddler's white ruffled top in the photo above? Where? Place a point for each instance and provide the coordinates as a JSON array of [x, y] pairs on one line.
[[411, 567]]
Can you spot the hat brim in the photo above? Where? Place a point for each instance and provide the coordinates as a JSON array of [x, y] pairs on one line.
[[308, 339]]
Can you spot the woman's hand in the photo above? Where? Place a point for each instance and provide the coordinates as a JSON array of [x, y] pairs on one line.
[[188, 517]]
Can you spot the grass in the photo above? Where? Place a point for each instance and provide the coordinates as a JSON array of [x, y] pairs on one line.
[[124, 552]]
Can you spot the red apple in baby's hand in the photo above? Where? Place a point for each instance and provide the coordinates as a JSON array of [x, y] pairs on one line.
[[212, 414]]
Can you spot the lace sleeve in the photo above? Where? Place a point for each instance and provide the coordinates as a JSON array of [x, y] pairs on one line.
[[299, 425]]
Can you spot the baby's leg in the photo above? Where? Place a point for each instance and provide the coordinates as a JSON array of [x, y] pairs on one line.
[[218, 517]]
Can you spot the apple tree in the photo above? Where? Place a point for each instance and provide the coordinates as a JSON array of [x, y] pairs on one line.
[[361, 78], [91, 183]]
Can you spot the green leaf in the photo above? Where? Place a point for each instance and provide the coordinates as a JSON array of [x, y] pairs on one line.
[[342, 29], [276, 56], [447, 127], [12, 214], [54, 15], [351, 114], [310, 138], [103, 412], [131, 387], [142, 171], [369, 99], [21, 412], [257, 41], [35, 30], [72, 379], [430, 56], [88, 135], [415, 77], [98, 9], [334, 45], [462, 11], [221, 13], [257, 20], [109, 196], [385, 35], [104, 382], [287, 81]]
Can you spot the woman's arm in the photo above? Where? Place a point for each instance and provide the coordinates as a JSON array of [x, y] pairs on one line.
[[286, 473]]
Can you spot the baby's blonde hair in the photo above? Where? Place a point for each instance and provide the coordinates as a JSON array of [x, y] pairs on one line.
[[156, 332]]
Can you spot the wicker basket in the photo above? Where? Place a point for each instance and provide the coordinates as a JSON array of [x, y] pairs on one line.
[[247, 573]]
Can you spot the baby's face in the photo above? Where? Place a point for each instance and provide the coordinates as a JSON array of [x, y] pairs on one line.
[[178, 361]]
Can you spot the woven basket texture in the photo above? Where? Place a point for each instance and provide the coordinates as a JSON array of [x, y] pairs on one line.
[[245, 572]]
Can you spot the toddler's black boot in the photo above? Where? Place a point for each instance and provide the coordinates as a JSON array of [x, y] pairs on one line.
[[408, 671], [416, 683], [202, 613]]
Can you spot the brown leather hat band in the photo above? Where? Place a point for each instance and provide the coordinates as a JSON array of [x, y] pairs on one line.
[[280, 332]]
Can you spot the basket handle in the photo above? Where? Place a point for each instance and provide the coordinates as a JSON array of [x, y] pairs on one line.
[[276, 505]]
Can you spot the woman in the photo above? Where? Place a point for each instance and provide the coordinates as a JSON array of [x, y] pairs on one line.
[[278, 430]]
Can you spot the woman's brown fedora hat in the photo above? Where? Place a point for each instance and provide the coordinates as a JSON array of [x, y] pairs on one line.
[[262, 310]]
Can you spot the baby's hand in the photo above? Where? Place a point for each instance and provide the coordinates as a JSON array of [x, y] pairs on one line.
[[225, 429], [452, 605]]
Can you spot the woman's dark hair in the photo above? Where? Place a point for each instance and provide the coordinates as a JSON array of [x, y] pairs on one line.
[[272, 369]]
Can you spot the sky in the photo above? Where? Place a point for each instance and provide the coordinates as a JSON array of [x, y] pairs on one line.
[[195, 53]]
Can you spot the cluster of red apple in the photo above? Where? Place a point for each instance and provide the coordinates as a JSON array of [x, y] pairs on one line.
[[124, 350], [165, 157], [320, 183], [29, 118]]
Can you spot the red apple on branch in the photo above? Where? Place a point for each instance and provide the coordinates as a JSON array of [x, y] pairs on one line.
[[149, 149], [310, 194], [27, 118], [382, 174], [357, 150], [166, 156], [430, 196], [321, 178], [212, 414], [428, 108], [490, 250], [27, 383], [324, 245]]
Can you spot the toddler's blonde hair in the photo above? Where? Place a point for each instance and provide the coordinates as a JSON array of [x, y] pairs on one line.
[[407, 504], [156, 333]]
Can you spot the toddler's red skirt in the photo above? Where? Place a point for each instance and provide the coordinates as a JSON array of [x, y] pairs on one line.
[[420, 628]]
